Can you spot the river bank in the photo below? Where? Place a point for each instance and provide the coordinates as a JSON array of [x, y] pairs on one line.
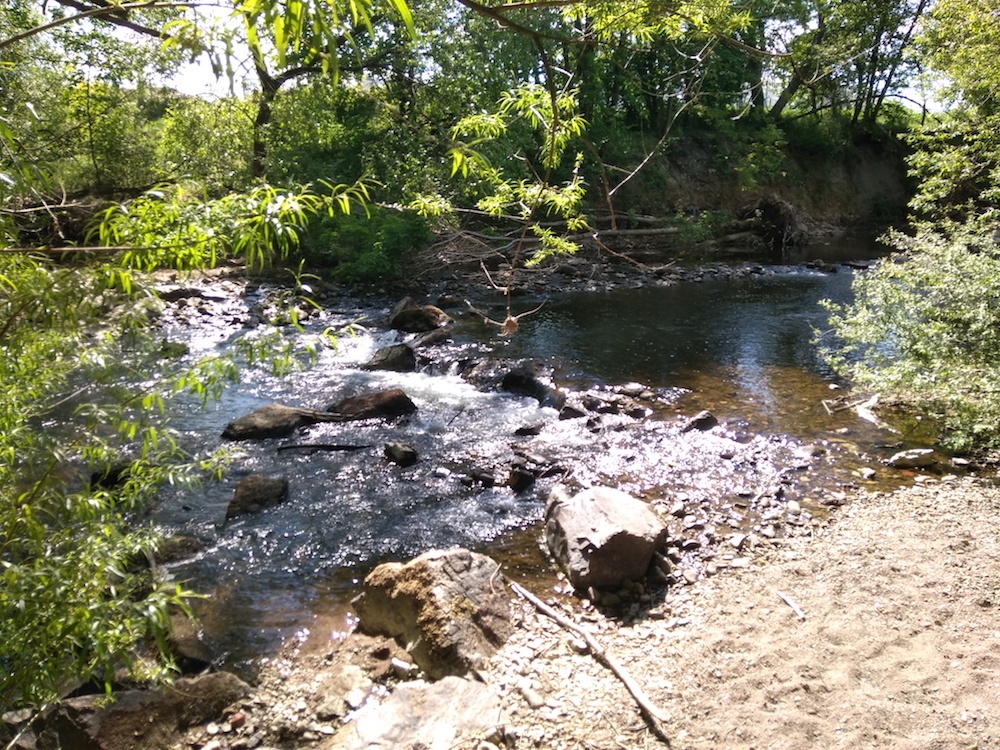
[[880, 630]]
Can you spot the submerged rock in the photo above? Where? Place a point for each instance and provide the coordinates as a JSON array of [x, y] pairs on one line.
[[255, 492], [703, 421], [448, 608], [401, 454], [527, 380], [450, 713], [602, 537]]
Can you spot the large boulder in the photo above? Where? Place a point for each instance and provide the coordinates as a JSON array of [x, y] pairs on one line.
[[448, 608], [602, 537], [255, 492], [273, 420], [387, 404], [450, 713], [140, 719], [410, 317]]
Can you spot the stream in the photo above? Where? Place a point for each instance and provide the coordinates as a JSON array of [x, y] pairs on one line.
[[740, 347]]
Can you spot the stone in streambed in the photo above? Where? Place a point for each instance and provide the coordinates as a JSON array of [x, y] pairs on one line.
[[273, 420], [394, 358], [401, 454], [410, 317], [255, 492], [141, 718], [602, 537], [450, 713]]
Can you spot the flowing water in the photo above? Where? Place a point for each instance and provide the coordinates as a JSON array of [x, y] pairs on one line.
[[741, 348]]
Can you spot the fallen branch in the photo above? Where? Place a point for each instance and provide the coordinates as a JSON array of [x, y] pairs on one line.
[[795, 607], [650, 712], [322, 447]]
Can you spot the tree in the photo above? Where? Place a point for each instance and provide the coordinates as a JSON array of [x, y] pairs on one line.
[[923, 327]]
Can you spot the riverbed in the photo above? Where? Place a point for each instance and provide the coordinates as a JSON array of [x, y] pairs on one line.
[[739, 345]]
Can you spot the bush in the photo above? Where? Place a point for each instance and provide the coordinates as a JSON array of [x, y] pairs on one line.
[[366, 249], [925, 328]]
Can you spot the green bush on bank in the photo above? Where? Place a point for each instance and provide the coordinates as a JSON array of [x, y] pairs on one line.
[[925, 328]]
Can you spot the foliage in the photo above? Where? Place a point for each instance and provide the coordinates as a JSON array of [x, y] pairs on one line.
[[69, 604], [366, 249], [177, 229], [925, 328]]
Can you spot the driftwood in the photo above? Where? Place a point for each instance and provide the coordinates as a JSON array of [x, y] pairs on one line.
[[795, 607], [653, 715], [322, 447]]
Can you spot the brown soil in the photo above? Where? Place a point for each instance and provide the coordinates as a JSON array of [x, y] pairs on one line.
[[899, 646]]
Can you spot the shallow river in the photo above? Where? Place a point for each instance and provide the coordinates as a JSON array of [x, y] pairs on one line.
[[740, 348]]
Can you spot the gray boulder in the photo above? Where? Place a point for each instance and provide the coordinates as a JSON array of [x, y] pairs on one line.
[[915, 458], [448, 608], [255, 492], [602, 537], [450, 713]]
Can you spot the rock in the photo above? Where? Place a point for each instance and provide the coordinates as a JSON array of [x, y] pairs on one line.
[[401, 454], [346, 692], [447, 608], [916, 458], [526, 380], [140, 718], [601, 537], [703, 421], [382, 404], [520, 478], [256, 492], [435, 337], [395, 358], [446, 714], [190, 652], [273, 420], [408, 316]]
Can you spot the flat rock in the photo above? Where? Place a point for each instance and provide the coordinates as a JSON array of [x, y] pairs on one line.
[[273, 420], [450, 713], [602, 537], [916, 458], [387, 404], [448, 608], [394, 358], [703, 421]]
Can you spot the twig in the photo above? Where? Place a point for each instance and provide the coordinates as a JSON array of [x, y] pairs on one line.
[[795, 607], [322, 447], [650, 712]]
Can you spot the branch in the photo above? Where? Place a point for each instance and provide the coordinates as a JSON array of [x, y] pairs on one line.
[[650, 712], [111, 11]]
